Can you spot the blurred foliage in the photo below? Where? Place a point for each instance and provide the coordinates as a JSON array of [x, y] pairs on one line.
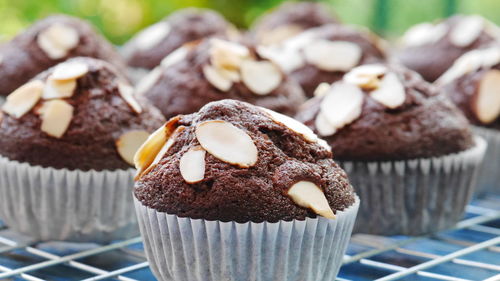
[[120, 19]]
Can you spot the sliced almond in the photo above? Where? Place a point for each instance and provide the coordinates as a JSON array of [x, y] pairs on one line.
[[164, 150], [128, 144], [232, 75], [279, 34], [50, 49], [174, 57], [288, 55], [391, 92], [57, 40], [55, 89], [56, 118], [227, 143], [301, 40], [490, 56], [152, 36], [287, 59], [148, 81], [261, 77], [486, 103], [149, 149], [467, 31], [127, 93], [322, 89], [308, 195], [69, 71], [342, 105], [22, 100], [292, 124], [192, 165], [147, 153], [467, 63], [366, 76], [333, 55], [217, 79], [227, 55], [232, 47], [424, 33], [369, 70], [324, 128]]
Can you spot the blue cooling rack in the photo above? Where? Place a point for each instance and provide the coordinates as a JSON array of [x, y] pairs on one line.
[[469, 251]]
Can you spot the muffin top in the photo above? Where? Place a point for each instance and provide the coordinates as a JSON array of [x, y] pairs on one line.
[[233, 161], [47, 43], [215, 69], [80, 115], [430, 49], [324, 54], [384, 112], [289, 19], [473, 84], [152, 44]]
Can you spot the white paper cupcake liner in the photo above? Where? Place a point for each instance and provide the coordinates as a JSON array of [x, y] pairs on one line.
[[414, 197], [52, 204], [184, 249], [489, 174]]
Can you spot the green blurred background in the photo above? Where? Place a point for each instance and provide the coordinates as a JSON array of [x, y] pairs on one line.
[[120, 19]]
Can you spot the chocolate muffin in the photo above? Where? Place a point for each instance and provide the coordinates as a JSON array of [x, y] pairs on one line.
[[78, 115], [289, 19], [324, 54], [431, 48], [150, 46], [215, 69], [384, 112], [473, 83], [232, 161], [252, 187], [47, 43], [407, 149]]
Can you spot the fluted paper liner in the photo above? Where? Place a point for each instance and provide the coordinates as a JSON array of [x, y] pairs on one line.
[[184, 249], [489, 174], [414, 197], [63, 205]]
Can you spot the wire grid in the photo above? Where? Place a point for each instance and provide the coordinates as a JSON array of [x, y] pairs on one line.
[[469, 251]]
